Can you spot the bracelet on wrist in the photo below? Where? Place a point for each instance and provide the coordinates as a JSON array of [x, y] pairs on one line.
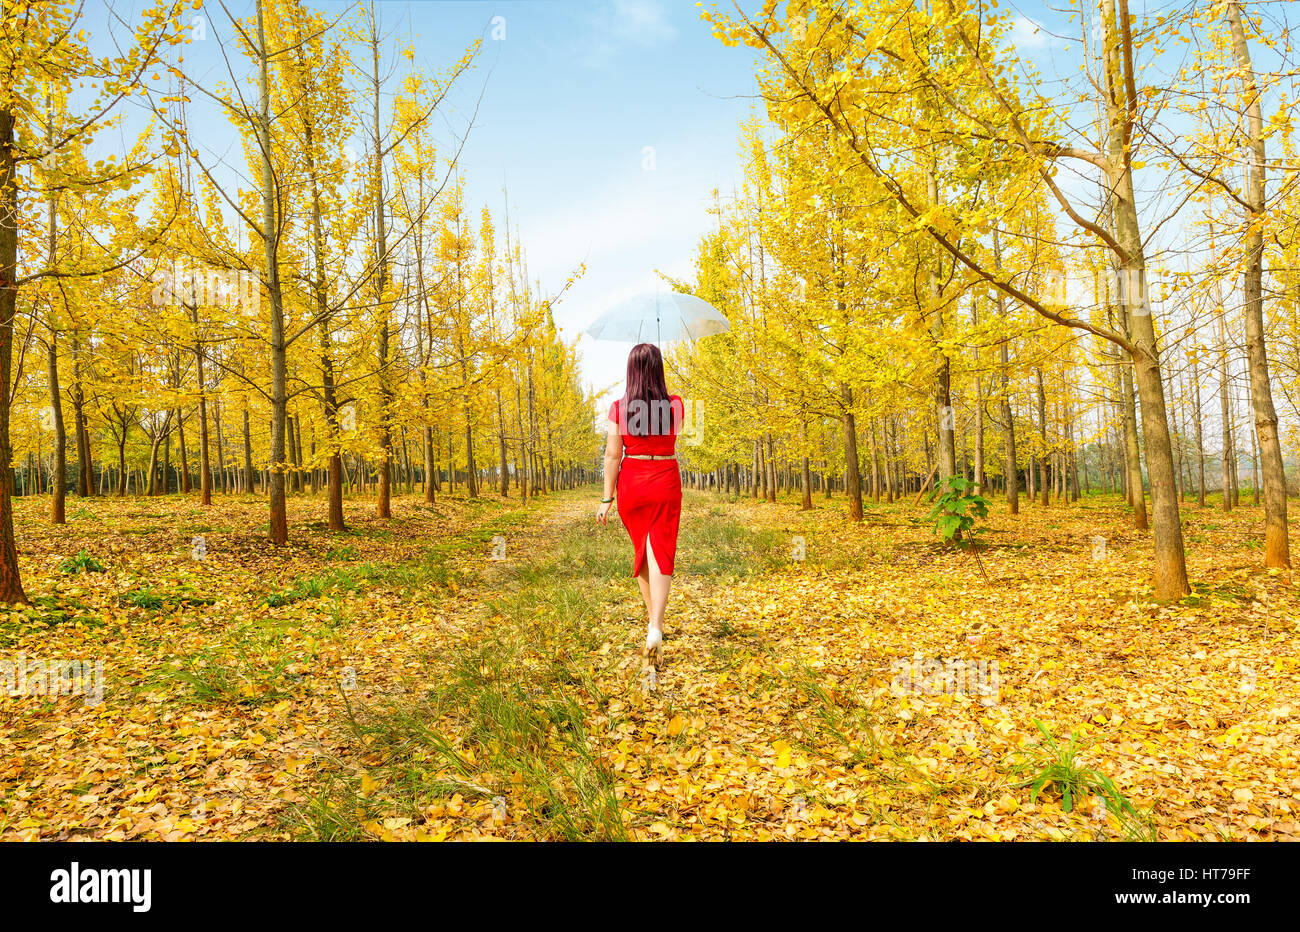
[[606, 501]]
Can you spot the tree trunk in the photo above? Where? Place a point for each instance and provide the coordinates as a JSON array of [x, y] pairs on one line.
[[1225, 412], [1200, 439], [979, 411], [875, 464], [1277, 551], [185, 459], [770, 459], [221, 442], [248, 453], [1121, 111], [85, 472], [1012, 476], [503, 453], [60, 468], [852, 475], [1044, 488], [205, 462], [1132, 453], [384, 505], [270, 241], [943, 412], [11, 587], [805, 502]]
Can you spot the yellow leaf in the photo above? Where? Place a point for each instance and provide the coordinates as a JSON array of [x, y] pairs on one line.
[[782, 750]]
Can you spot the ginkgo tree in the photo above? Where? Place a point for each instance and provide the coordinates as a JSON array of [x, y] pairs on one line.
[[45, 54]]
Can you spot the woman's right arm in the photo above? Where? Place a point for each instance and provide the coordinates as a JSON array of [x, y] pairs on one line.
[[613, 459]]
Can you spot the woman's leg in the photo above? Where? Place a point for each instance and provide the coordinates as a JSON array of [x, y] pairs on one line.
[[643, 583], [658, 585]]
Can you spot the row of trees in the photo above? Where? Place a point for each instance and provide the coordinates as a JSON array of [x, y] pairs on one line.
[[321, 308], [934, 266]]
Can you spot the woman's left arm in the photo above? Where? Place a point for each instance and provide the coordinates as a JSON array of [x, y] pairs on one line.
[[613, 459]]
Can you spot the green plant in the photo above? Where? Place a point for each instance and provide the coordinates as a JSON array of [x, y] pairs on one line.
[[1058, 768], [156, 599], [81, 563], [956, 511], [146, 597]]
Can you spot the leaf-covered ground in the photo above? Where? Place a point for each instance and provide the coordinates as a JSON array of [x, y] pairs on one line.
[[412, 679]]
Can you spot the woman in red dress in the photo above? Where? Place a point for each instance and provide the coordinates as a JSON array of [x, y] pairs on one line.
[[641, 462]]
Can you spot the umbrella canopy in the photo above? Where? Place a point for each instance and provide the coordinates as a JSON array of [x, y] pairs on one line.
[[659, 317]]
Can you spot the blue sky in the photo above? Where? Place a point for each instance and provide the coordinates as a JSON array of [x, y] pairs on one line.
[[575, 99]]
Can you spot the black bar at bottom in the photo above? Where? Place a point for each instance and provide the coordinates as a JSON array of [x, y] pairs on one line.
[[295, 882]]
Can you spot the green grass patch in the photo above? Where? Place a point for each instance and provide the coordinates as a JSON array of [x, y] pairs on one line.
[[1054, 768], [250, 669], [156, 599], [83, 562]]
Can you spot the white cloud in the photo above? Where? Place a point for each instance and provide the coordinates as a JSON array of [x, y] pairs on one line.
[[619, 23], [623, 232], [1027, 34], [636, 227], [639, 21]]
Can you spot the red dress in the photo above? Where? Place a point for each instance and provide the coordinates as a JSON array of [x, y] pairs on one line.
[[650, 491]]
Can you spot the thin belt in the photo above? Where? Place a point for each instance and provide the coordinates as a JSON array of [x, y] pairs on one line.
[[649, 456]]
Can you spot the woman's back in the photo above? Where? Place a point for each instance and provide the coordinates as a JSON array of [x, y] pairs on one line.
[[649, 428]]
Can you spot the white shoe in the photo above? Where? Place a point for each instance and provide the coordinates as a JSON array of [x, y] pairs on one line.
[[652, 658]]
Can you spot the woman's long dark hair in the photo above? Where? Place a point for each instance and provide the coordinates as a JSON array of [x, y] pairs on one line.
[[646, 394]]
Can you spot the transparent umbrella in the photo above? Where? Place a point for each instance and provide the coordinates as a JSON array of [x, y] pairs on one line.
[[660, 317]]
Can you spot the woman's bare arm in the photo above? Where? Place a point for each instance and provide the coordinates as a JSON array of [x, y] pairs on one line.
[[613, 458]]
